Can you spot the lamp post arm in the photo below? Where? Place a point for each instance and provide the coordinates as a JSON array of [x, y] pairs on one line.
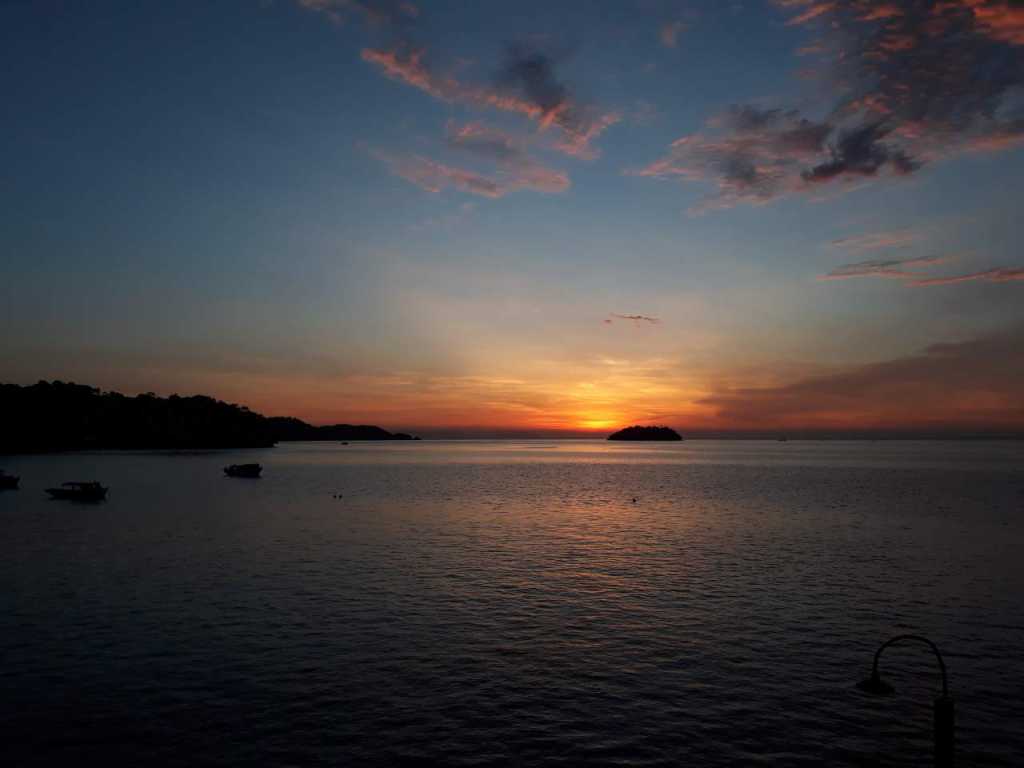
[[930, 644]]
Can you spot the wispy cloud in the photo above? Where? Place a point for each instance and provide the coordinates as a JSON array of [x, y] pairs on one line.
[[891, 268], [485, 141], [902, 269], [636, 319], [526, 85], [508, 152], [876, 240], [434, 176], [377, 12], [996, 275]]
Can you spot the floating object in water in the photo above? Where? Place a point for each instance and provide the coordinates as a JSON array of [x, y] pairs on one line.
[[8, 482], [243, 470], [634, 499], [79, 491]]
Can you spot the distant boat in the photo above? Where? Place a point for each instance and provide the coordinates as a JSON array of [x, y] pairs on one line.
[[8, 482], [343, 442], [79, 491], [782, 439], [243, 470]]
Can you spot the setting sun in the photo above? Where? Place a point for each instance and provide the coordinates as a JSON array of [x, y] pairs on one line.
[[597, 423]]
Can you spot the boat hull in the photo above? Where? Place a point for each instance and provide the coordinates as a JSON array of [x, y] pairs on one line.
[[67, 494], [243, 470]]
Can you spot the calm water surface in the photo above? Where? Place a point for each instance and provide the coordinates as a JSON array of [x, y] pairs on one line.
[[507, 603]]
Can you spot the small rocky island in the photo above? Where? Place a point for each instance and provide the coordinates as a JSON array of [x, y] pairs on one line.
[[646, 433]]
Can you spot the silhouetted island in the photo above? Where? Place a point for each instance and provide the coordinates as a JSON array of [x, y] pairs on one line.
[[288, 428], [646, 433], [59, 416]]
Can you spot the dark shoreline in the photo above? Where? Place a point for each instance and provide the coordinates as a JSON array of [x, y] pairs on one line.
[[60, 417]]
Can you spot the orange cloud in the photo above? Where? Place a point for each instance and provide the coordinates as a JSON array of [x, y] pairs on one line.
[[1001, 19]]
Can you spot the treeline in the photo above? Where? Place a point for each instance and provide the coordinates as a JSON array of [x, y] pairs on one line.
[[59, 416]]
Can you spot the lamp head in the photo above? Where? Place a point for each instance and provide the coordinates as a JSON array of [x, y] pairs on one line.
[[876, 685]]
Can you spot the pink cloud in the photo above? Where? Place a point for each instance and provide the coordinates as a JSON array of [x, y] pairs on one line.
[[888, 268], [433, 176], [901, 269], [509, 153], [373, 11], [813, 10], [577, 124], [875, 240], [996, 275]]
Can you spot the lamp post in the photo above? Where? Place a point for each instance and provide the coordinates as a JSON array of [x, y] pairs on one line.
[[944, 740]]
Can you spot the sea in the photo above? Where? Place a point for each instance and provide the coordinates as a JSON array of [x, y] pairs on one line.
[[514, 603]]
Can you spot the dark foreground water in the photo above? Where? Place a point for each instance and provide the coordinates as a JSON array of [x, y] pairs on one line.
[[509, 604]]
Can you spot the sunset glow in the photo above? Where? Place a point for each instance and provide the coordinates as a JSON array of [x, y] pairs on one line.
[[563, 219]]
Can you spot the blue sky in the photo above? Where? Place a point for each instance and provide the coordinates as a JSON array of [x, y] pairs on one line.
[[442, 215]]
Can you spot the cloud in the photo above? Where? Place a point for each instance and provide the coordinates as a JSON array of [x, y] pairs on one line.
[[996, 275], [405, 64], [917, 82], [525, 85], [876, 240], [893, 268], [967, 384], [483, 140], [529, 74], [433, 176], [751, 154], [942, 75], [900, 269], [669, 33], [636, 319], [377, 12], [509, 153], [813, 11], [1001, 19], [860, 152]]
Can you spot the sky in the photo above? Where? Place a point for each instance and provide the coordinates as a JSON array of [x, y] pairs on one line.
[[522, 217]]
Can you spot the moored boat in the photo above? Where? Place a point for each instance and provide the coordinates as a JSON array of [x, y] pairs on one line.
[[8, 482], [243, 470], [79, 491]]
